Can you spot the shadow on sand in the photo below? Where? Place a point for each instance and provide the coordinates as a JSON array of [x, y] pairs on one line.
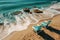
[[44, 35], [53, 30]]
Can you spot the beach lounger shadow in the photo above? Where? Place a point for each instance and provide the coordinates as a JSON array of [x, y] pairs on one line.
[[44, 35], [53, 30]]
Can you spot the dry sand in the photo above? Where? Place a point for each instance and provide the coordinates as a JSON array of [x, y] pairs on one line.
[[29, 34]]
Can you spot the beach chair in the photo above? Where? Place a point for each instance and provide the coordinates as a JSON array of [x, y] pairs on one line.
[[37, 28], [43, 24]]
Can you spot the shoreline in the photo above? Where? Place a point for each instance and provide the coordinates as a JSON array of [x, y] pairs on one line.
[[48, 15], [16, 33]]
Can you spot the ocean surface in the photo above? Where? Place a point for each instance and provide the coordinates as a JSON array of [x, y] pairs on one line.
[[9, 6], [13, 5]]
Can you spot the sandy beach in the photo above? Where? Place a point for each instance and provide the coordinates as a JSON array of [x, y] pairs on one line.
[[29, 34], [22, 29]]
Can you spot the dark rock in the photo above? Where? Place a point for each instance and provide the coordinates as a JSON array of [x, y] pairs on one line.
[[26, 10], [38, 11], [17, 12], [1, 23], [57, 9], [30, 12]]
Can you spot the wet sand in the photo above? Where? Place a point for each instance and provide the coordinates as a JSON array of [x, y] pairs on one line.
[[29, 34]]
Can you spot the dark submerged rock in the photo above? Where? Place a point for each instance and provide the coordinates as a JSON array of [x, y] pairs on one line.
[[26, 10], [30, 12], [1, 23], [17, 12], [38, 11], [57, 9]]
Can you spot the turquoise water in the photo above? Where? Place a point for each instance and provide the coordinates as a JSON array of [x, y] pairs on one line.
[[12, 5], [8, 6]]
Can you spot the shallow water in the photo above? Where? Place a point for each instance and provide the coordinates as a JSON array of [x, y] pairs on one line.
[[7, 7]]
